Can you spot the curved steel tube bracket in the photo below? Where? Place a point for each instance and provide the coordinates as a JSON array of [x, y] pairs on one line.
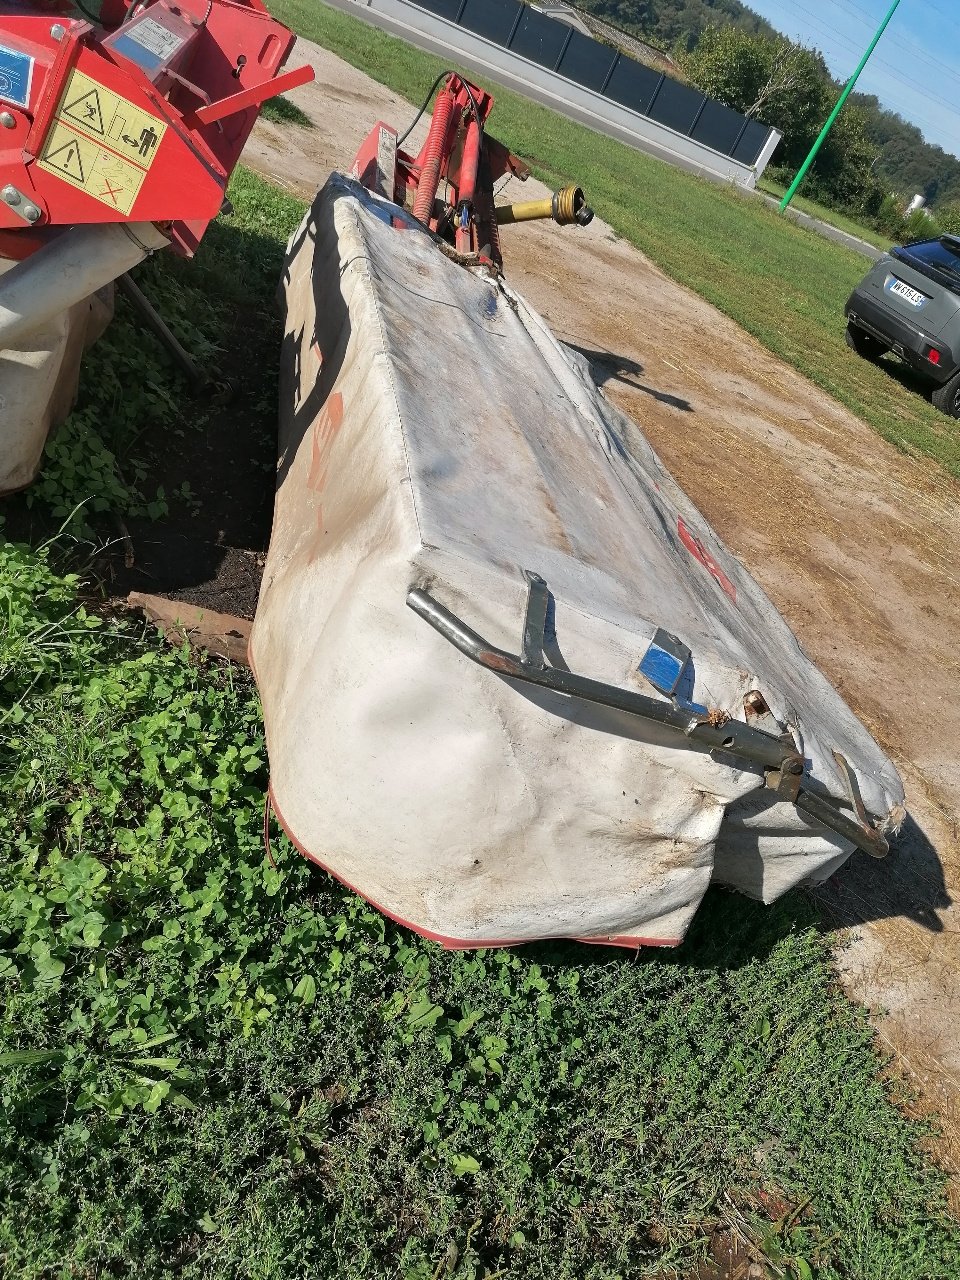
[[782, 764]]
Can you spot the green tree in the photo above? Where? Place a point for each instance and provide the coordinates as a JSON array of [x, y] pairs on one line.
[[948, 219], [842, 172], [778, 82], [789, 87], [675, 22], [728, 65]]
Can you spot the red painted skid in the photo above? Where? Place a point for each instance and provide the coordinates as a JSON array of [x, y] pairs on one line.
[[254, 97]]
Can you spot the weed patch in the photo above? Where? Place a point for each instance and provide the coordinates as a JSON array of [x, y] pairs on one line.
[[135, 408], [283, 111], [228, 1069]]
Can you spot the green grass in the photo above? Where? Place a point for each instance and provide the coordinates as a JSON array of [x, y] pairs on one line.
[[784, 284], [213, 1068], [831, 216], [282, 111]]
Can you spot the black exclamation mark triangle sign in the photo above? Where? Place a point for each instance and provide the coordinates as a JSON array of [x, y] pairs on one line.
[[67, 160], [85, 110]]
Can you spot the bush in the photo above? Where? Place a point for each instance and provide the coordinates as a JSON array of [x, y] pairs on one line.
[[890, 217], [919, 225], [948, 219]]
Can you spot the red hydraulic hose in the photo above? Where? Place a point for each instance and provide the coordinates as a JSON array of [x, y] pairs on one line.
[[432, 155]]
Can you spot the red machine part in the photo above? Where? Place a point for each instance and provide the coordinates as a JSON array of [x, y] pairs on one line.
[[459, 153], [140, 118]]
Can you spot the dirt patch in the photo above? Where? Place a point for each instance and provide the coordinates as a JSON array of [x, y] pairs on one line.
[[853, 540]]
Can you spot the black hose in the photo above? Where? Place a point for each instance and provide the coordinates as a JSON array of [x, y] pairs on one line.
[[426, 102], [88, 13]]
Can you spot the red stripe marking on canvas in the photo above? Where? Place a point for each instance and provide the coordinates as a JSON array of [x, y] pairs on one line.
[[700, 552]]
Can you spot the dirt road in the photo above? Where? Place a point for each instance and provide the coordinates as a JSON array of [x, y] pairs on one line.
[[853, 541]]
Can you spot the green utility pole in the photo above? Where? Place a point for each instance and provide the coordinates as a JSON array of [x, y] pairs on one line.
[[802, 172]]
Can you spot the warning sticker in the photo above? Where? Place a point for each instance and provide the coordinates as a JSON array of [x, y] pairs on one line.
[[85, 111], [101, 143]]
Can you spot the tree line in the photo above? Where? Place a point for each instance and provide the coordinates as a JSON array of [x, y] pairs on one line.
[[872, 162]]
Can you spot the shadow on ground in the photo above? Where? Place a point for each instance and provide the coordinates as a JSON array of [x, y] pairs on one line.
[[608, 367], [908, 883], [907, 377]]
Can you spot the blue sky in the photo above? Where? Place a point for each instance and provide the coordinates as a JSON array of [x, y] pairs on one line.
[[914, 70]]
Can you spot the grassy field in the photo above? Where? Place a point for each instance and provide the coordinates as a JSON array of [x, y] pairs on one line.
[[832, 216], [782, 283], [214, 1068]]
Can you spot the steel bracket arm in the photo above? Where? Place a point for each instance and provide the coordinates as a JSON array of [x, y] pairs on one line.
[[779, 759]]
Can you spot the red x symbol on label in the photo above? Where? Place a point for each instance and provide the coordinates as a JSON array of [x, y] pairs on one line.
[[111, 191]]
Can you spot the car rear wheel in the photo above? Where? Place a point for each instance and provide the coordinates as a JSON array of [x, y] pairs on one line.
[[947, 397], [864, 344]]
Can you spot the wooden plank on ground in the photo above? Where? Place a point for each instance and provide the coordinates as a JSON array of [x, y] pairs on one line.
[[221, 634]]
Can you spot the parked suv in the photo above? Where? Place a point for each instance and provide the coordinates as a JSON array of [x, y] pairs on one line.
[[909, 303]]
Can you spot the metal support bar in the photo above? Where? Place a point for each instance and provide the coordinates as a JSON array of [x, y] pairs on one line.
[[734, 738], [155, 322], [254, 96], [823, 810], [534, 622], [610, 70], [694, 122], [563, 50], [853, 788]]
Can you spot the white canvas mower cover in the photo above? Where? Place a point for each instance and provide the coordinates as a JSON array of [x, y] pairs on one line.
[[514, 686]]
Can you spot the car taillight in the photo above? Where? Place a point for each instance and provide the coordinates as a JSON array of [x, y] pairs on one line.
[[933, 355]]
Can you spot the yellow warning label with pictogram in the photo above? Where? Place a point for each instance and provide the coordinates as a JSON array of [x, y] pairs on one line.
[[101, 143]]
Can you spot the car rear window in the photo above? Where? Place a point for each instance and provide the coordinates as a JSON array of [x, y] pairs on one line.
[[935, 254]]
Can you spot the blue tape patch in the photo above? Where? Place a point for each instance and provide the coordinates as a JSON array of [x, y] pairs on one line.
[[668, 665], [16, 75], [662, 669]]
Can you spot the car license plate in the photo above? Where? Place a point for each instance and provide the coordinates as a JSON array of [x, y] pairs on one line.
[[905, 291]]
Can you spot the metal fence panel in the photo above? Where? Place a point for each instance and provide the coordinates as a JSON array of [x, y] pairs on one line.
[[633, 85], [587, 62], [449, 9], [676, 105], [539, 38], [492, 19], [751, 142], [719, 127]]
